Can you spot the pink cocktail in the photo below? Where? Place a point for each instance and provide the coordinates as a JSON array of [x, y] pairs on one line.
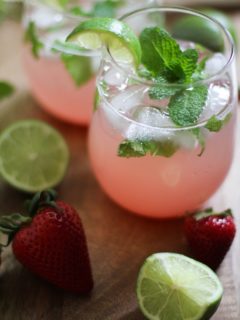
[[55, 90], [49, 80], [153, 185]]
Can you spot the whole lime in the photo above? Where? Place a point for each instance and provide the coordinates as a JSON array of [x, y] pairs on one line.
[[203, 31]]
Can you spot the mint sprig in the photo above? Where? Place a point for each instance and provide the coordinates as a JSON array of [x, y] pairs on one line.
[[138, 148], [6, 89], [32, 38], [162, 56], [79, 67]]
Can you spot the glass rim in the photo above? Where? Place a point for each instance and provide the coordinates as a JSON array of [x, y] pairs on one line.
[[180, 9]]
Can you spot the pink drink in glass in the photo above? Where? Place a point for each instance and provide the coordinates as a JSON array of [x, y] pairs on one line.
[[157, 186], [49, 80], [55, 90], [160, 186]]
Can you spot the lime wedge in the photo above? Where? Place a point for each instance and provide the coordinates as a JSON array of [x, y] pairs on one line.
[[172, 286], [33, 155], [120, 39]]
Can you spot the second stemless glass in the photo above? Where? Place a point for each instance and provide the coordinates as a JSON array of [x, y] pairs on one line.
[[50, 82], [160, 186]]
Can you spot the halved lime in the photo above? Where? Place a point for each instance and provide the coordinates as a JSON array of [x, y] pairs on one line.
[[120, 39], [172, 286], [33, 155]]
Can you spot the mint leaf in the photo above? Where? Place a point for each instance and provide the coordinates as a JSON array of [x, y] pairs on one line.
[[102, 9], [32, 37], [186, 106], [6, 89], [139, 148], [161, 55], [79, 11], [188, 63], [214, 124], [162, 90], [159, 51], [78, 67]]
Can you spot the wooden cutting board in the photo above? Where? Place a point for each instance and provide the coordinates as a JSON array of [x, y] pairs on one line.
[[118, 241]]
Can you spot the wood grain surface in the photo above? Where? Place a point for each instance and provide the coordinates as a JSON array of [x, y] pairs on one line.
[[118, 241]]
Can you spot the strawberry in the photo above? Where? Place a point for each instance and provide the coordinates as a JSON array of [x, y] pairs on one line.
[[51, 243], [210, 235]]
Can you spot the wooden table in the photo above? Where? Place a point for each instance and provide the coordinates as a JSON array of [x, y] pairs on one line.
[[118, 241]]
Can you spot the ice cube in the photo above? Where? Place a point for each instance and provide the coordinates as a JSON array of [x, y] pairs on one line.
[[218, 97], [185, 139], [115, 77], [129, 99], [150, 124], [215, 64]]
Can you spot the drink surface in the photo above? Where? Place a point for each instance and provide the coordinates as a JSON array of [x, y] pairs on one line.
[[158, 186]]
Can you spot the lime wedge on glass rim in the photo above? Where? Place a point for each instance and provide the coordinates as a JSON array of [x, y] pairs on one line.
[[33, 155], [172, 286], [121, 41]]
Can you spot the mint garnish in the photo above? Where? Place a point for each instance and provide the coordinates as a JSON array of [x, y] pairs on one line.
[[79, 67], [32, 38], [106, 8], [138, 148], [186, 106], [214, 124], [173, 70], [6, 90], [162, 56]]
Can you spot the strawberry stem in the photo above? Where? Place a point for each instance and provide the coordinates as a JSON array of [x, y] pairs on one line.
[[40, 200]]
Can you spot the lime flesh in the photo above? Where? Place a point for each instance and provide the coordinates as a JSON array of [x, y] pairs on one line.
[[33, 155], [121, 41], [172, 286]]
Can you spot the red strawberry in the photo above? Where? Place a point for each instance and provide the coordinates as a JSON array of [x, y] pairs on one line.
[[210, 235], [53, 245]]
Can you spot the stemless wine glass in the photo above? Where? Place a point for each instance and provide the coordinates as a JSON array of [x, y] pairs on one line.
[[188, 163], [52, 85]]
